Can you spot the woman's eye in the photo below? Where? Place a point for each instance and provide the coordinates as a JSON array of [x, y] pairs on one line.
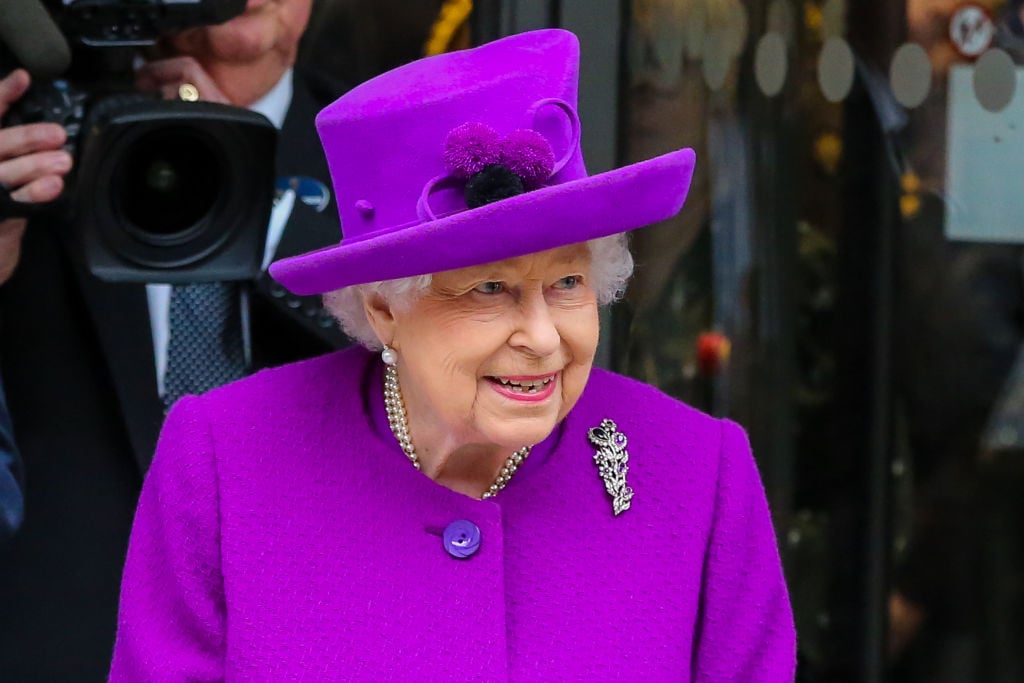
[[489, 288], [570, 282]]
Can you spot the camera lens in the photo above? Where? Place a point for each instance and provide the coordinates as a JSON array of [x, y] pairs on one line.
[[169, 181], [172, 191]]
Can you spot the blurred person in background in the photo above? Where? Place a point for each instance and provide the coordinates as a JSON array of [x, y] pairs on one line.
[[359, 39], [81, 358]]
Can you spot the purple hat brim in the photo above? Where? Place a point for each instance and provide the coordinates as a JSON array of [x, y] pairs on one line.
[[576, 211]]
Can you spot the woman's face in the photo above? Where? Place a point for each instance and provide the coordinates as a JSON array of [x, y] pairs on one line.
[[497, 355]]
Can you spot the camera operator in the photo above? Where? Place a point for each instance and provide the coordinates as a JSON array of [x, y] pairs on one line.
[[84, 361]]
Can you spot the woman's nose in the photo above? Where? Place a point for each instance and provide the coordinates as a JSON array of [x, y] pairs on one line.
[[536, 332]]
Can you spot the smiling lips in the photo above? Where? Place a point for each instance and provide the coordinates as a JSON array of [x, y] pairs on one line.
[[529, 388]]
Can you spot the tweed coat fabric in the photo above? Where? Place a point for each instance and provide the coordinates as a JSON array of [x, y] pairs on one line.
[[282, 535]]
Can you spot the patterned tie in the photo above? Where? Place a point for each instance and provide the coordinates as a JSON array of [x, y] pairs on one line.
[[205, 347]]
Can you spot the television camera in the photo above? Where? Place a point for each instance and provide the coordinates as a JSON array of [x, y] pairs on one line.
[[161, 191]]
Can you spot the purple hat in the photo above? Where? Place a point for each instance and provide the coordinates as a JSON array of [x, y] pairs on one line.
[[472, 157]]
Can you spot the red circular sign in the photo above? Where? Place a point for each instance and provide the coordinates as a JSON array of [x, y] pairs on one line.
[[972, 30]]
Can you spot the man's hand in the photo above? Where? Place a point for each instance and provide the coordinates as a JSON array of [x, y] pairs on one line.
[[32, 167], [165, 76]]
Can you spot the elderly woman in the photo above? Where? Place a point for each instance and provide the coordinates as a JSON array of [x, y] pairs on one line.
[[475, 501]]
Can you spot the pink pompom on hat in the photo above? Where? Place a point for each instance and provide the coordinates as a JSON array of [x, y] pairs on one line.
[[472, 157]]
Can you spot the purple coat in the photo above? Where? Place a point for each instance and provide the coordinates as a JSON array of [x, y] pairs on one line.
[[282, 534]]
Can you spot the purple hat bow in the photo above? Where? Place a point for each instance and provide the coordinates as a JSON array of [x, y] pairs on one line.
[[484, 167]]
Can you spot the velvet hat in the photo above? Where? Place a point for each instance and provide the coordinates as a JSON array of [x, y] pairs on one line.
[[471, 157]]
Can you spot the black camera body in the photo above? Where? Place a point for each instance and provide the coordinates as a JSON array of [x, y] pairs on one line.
[[161, 191], [110, 23]]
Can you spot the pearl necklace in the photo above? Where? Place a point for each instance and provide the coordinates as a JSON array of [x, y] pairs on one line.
[[398, 420]]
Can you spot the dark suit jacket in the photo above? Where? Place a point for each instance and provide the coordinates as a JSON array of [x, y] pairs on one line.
[[77, 360], [12, 501]]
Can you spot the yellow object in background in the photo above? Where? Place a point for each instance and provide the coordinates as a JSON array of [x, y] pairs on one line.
[[910, 201], [814, 18], [450, 22], [910, 182], [828, 151], [910, 205]]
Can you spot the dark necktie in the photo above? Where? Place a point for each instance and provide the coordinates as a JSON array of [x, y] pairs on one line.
[[205, 348]]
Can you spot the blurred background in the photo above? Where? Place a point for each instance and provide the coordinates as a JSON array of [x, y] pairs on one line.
[[847, 281]]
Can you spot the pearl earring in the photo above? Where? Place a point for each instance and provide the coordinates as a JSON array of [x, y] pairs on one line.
[[389, 356]]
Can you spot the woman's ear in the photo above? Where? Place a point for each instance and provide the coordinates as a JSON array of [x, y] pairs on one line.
[[380, 316]]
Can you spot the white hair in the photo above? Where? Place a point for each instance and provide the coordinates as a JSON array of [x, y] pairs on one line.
[[611, 265]]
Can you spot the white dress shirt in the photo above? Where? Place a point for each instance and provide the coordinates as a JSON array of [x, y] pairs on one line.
[[274, 105]]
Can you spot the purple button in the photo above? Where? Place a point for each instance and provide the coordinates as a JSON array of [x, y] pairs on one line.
[[461, 539]]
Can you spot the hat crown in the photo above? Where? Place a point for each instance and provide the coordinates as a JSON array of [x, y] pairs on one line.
[[385, 139]]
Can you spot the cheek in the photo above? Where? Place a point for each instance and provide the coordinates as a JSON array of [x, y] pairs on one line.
[[461, 338], [581, 337], [581, 334], [298, 15], [574, 381], [454, 351], [290, 23]]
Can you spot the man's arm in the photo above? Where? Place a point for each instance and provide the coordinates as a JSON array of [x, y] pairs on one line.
[[32, 167]]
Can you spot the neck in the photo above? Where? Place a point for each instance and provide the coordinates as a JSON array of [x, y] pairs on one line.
[[469, 469], [474, 469]]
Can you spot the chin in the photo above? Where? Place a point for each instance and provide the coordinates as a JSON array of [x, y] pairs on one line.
[[526, 432]]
